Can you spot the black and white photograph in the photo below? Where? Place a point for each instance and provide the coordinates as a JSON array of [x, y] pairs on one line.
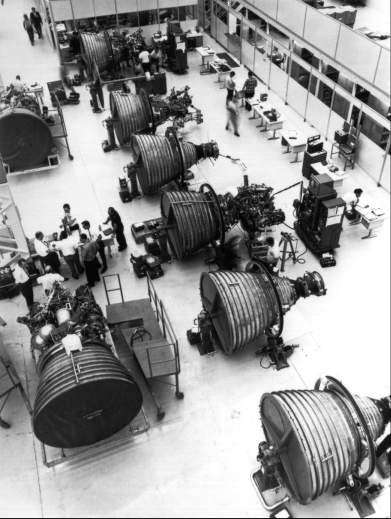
[[195, 259]]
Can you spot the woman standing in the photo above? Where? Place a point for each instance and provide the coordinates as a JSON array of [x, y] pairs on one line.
[[118, 228], [28, 27]]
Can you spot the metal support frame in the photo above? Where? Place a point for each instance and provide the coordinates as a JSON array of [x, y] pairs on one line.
[[116, 289], [9, 371]]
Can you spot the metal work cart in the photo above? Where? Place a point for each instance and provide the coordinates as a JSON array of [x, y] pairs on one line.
[[59, 128], [149, 334]]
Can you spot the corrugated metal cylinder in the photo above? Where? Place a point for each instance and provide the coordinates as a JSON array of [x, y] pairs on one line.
[[84, 399], [25, 139], [192, 220], [243, 305], [159, 162], [317, 436], [131, 114], [95, 48]]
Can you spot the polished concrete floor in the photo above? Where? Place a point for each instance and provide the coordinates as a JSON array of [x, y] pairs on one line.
[[198, 461]]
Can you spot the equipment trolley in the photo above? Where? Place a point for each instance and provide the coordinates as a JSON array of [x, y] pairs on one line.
[[148, 332]]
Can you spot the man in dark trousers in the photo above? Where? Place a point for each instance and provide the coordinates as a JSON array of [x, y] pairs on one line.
[[97, 236], [36, 20], [22, 278], [89, 250]]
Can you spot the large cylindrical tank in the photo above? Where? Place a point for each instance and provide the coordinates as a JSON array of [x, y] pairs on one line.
[[193, 221], [25, 139], [243, 305], [84, 398], [159, 160], [131, 113], [321, 437], [96, 48]]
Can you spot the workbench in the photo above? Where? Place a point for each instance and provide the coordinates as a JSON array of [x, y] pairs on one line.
[[337, 176], [207, 55], [222, 69], [194, 40], [294, 141], [371, 218], [260, 111]]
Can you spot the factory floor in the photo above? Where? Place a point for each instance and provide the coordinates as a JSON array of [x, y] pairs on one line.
[[198, 461]]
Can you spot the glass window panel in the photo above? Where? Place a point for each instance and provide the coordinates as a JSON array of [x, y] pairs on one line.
[[297, 97], [148, 17], [106, 22], [234, 35], [187, 12], [325, 93], [345, 83], [374, 131], [248, 34], [313, 84], [128, 20], [278, 57], [300, 74], [279, 36], [341, 106], [169, 13], [221, 13], [256, 20], [262, 63], [86, 24]]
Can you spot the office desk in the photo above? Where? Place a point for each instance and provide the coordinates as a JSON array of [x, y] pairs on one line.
[[222, 69], [337, 176], [371, 218], [207, 55], [194, 40], [294, 141], [267, 125]]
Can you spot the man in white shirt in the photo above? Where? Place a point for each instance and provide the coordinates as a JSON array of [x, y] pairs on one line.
[[68, 246], [49, 279], [230, 85], [144, 60], [97, 236], [16, 88], [47, 256], [69, 223], [22, 278]]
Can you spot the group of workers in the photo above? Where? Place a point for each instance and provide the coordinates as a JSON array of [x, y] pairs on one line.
[[79, 245], [232, 99]]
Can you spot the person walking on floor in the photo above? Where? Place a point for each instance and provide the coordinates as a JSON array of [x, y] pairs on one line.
[[99, 240], [89, 250], [230, 85], [233, 115], [22, 278], [118, 228], [28, 27], [36, 20]]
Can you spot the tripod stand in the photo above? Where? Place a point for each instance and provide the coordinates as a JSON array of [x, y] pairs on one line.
[[288, 251]]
